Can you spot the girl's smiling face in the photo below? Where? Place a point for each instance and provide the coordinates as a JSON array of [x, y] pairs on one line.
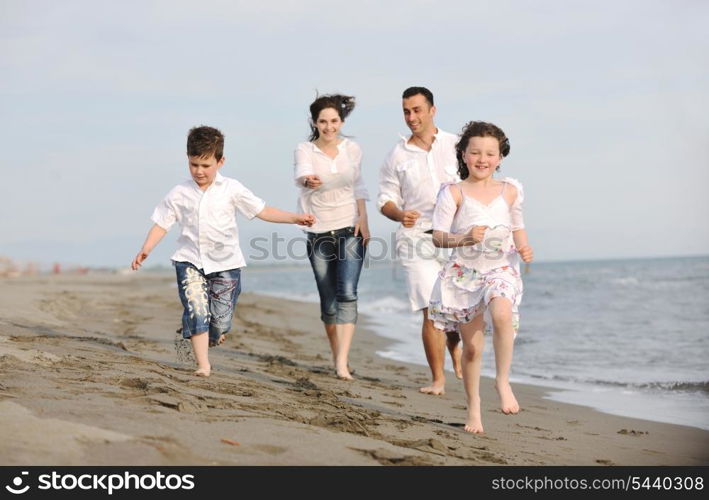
[[482, 156]]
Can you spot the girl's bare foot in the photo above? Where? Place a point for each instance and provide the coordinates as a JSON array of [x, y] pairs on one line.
[[474, 423], [437, 388], [343, 373], [508, 402], [203, 372]]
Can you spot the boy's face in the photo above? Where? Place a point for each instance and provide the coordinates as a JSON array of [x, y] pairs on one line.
[[204, 169]]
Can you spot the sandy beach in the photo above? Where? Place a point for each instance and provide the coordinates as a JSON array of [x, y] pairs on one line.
[[90, 377]]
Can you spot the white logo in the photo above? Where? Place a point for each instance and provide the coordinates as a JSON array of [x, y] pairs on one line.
[[18, 482]]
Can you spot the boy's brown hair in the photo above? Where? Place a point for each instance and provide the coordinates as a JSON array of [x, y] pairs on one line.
[[205, 141]]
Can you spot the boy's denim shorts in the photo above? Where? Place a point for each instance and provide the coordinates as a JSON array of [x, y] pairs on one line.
[[208, 299]]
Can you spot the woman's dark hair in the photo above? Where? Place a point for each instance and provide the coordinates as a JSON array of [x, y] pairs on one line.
[[479, 129], [343, 104]]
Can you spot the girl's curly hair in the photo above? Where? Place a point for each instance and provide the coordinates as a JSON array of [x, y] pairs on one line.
[[479, 129]]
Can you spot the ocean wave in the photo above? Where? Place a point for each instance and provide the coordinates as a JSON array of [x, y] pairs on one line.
[[702, 387], [669, 386], [386, 304], [627, 281]]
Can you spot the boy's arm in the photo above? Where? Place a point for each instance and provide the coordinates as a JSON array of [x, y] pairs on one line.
[[155, 234], [522, 244], [271, 214]]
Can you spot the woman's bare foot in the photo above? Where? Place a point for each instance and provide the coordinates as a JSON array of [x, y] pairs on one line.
[[437, 388], [203, 372], [508, 402]]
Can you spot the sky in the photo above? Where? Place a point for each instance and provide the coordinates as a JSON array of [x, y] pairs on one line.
[[602, 102]]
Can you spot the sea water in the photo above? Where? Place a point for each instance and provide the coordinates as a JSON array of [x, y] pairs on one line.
[[627, 337]]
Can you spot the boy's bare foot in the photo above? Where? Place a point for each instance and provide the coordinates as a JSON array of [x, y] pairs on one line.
[[219, 341], [183, 348], [508, 402], [203, 372], [435, 389]]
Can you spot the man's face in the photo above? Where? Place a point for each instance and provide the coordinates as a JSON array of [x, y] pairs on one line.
[[418, 114], [204, 169]]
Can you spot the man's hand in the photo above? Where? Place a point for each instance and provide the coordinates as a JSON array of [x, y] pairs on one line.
[[409, 218]]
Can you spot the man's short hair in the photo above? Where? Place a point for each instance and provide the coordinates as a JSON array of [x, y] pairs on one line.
[[205, 141], [412, 91]]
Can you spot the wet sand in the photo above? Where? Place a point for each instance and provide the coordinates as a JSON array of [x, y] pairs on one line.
[[90, 377]]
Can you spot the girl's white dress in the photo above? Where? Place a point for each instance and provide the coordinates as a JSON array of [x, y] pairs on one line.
[[474, 275]]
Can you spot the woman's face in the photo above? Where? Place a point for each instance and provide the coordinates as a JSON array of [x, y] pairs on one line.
[[329, 124]]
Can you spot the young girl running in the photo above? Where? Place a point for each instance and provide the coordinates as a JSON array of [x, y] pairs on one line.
[[481, 218]]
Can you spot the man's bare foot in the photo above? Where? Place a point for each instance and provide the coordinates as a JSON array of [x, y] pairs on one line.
[[508, 402], [456, 353], [203, 372], [435, 389], [457, 366]]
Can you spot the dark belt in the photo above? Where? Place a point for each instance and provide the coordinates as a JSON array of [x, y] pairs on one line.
[[335, 232]]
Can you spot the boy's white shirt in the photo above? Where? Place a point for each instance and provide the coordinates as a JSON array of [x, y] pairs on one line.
[[209, 237]]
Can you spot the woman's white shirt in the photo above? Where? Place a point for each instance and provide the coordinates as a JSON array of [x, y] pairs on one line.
[[334, 203]]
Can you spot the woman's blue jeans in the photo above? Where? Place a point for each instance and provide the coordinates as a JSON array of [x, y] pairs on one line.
[[336, 258]]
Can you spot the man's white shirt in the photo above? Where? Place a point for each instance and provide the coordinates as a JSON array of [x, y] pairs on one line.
[[411, 177]]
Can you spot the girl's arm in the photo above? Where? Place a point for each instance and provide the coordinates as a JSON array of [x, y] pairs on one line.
[[443, 239], [271, 214], [447, 204], [522, 244], [362, 225], [155, 234]]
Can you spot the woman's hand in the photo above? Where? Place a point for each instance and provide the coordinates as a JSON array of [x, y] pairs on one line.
[[312, 181], [304, 219], [362, 227]]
